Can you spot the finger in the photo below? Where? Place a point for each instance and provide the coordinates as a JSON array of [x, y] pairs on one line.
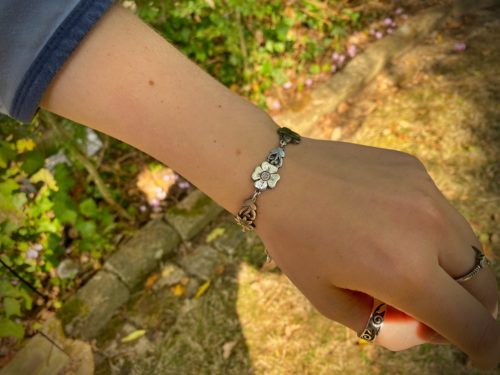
[[353, 309], [449, 309], [483, 287], [460, 259]]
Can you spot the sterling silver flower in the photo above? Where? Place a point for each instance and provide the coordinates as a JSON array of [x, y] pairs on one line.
[[265, 176]]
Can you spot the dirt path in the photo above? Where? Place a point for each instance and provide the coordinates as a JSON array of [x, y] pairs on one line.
[[439, 102]]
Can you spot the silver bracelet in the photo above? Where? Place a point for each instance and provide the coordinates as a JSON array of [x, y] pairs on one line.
[[265, 177]]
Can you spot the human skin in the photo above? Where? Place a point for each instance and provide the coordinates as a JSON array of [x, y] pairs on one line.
[[345, 222]]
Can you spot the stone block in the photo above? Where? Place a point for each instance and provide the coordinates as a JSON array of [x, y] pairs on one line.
[[230, 238], [39, 356], [89, 310], [171, 274], [141, 255], [192, 214], [201, 262]]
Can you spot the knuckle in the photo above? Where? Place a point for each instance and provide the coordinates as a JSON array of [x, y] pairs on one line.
[[413, 274], [428, 210]]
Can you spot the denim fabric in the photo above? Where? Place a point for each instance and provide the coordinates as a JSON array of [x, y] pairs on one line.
[[36, 38]]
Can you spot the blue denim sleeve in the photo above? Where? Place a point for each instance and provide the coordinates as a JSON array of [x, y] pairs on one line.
[[36, 38]]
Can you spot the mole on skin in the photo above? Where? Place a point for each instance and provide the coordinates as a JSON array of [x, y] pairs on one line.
[[151, 82], [238, 151]]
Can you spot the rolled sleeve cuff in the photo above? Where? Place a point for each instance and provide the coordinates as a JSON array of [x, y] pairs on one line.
[[52, 56]]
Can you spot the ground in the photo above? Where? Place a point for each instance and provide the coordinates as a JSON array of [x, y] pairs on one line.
[[439, 103]]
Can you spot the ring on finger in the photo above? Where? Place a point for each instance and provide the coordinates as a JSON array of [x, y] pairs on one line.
[[375, 322], [480, 262]]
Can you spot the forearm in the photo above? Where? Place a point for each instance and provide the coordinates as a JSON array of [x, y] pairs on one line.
[[126, 81]]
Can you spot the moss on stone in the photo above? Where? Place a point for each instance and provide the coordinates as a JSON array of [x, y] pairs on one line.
[[73, 308]]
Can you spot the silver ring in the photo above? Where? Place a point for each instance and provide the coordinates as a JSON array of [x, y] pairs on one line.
[[481, 261], [375, 322]]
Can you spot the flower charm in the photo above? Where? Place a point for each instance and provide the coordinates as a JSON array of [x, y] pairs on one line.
[[247, 215], [265, 176], [276, 156]]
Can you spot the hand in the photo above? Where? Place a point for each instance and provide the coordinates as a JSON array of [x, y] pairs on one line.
[[347, 222]]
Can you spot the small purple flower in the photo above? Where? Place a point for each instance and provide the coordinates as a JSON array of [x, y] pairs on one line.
[[160, 193], [31, 254], [352, 50], [308, 82], [379, 35], [142, 208], [341, 60], [154, 203], [184, 185], [399, 11], [390, 30], [459, 46], [335, 56], [14, 282], [287, 85], [276, 104], [388, 21]]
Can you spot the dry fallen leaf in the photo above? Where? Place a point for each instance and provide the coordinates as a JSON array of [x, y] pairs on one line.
[[290, 329], [202, 289], [134, 335], [151, 280], [178, 290], [227, 348]]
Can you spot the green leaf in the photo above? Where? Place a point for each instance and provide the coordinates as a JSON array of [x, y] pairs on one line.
[[87, 228], [216, 232], [6, 154], [64, 209], [63, 177], [314, 69], [11, 307], [88, 208], [281, 32], [10, 328], [7, 187], [279, 47], [44, 175], [33, 161], [25, 144]]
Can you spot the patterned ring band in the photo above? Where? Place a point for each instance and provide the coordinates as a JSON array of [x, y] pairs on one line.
[[481, 261], [375, 322]]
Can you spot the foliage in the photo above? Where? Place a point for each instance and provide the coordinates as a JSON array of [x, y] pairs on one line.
[[46, 216], [252, 45]]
